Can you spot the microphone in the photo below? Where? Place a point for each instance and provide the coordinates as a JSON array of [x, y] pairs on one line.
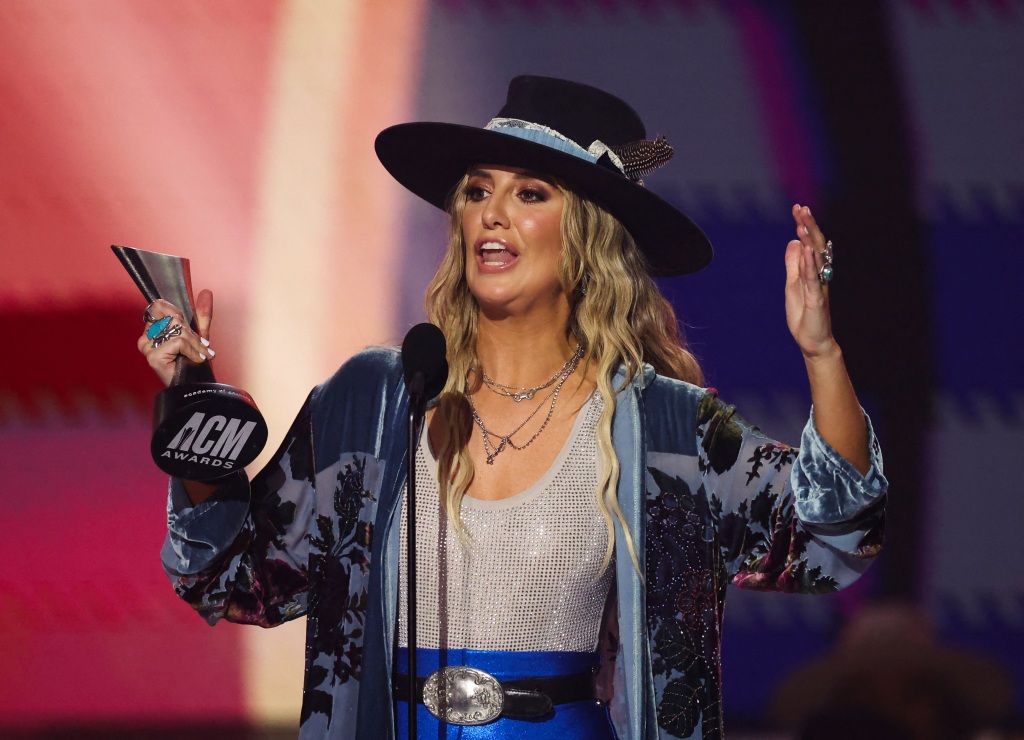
[[425, 366], [424, 362]]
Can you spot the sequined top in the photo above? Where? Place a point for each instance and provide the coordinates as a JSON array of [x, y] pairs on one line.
[[530, 577]]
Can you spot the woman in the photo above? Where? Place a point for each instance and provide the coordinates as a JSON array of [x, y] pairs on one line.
[[581, 494]]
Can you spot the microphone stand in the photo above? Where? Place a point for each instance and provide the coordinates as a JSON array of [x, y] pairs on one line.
[[417, 410], [423, 362]]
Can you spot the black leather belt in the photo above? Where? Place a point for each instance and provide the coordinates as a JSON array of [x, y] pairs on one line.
[[472, 694]]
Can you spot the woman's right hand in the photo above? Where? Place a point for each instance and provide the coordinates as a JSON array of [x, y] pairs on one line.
[[196, 347]]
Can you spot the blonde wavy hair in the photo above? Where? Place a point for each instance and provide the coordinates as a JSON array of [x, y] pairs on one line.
[[617, 314]]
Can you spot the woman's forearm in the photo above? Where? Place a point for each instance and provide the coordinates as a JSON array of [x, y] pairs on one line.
[[837, 413]]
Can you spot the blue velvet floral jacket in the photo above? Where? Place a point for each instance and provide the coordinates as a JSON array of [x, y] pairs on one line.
[[709, 500]]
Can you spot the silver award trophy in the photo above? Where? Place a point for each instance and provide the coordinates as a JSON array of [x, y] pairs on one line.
[[202, 430]]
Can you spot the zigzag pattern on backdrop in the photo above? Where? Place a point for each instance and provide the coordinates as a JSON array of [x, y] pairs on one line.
[[72, 368], [992, 612], [51, 606], [998, 204], [960, 204], [963, 10]]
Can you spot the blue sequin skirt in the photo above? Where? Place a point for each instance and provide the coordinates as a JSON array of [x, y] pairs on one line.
[[580, 720]]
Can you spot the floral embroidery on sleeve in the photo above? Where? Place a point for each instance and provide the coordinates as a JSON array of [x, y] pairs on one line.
[[339, 561]]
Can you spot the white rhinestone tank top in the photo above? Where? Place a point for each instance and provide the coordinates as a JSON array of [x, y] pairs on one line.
[[530, 577]]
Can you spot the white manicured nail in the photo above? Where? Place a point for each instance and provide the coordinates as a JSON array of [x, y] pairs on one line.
[[202, 356], [205, 341], [212, 353], [806, 231]]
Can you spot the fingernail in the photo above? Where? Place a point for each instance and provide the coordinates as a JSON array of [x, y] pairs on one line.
[[205, 341], [806, 230], [808, 210], [212, 353], [202, 356]]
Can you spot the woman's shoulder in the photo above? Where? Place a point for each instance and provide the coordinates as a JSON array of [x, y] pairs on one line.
[[386, 360], [364, 372], [350, 407], [663, 386], [701, 402], [672, 410]]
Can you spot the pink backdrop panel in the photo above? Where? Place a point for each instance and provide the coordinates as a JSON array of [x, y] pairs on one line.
[[140, 124], [90, 630], [126, 122]]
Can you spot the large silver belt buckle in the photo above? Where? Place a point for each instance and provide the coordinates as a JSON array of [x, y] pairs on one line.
[[460, 695]]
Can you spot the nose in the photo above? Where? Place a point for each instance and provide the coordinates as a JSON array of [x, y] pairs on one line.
[[494, 213]]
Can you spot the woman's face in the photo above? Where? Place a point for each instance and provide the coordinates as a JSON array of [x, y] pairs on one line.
[[512, 227]]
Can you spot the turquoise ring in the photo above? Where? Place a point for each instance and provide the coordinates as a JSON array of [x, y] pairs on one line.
[[157, 327], [162, 330], [825, 272]]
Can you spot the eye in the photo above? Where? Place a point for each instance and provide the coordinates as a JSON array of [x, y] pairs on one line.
[[533, 194], [474, 193]]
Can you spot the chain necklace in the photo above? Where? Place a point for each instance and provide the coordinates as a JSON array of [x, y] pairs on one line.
[[505, 440], [522, 393]]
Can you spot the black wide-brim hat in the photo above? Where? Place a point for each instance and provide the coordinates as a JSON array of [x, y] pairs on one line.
[[591, 139]]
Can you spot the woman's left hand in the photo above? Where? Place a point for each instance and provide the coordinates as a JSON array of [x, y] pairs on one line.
[[807, 312]]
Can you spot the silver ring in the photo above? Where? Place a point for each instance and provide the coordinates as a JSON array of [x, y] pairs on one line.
[[167, 333], [147, 316], [826, 272]]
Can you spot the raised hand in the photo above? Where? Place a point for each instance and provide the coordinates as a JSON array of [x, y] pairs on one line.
[[837, 413], [807, 309], [161, 353]]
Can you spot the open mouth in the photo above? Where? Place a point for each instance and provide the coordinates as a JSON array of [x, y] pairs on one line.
[[495, 254]]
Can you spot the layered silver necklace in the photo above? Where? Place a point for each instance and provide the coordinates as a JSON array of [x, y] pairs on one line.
[[517, 394]]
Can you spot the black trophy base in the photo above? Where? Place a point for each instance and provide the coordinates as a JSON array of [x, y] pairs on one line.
[[206, 431]]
